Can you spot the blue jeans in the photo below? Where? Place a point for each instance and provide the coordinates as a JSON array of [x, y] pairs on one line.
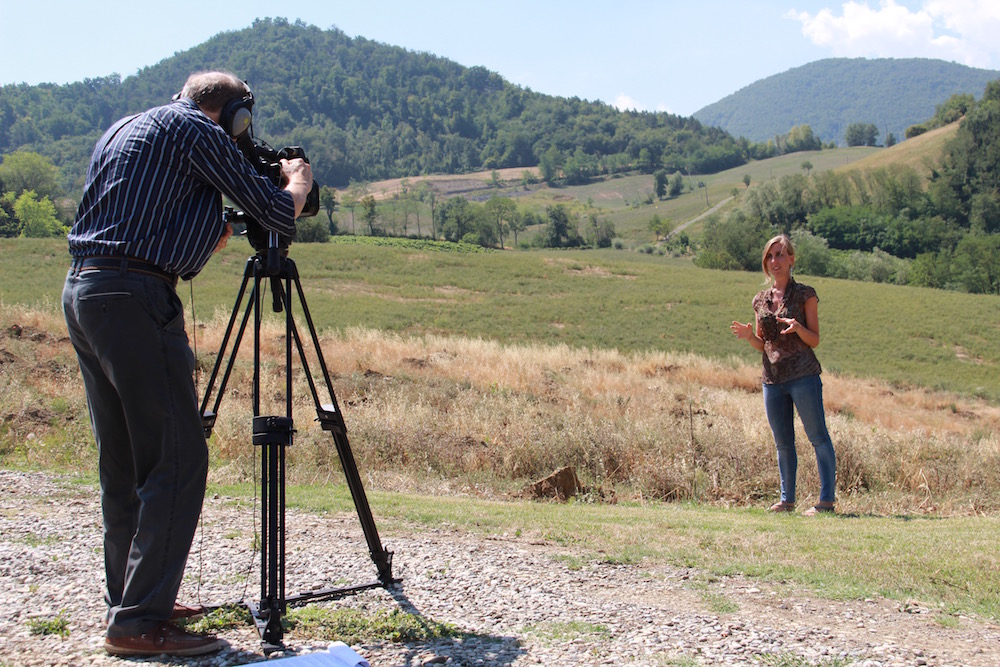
[[128, 332], [805, 395]]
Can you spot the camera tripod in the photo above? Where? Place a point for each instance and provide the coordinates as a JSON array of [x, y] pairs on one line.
[[273, 434]]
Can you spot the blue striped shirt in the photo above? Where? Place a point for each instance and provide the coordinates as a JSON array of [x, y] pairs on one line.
[[153, 191]]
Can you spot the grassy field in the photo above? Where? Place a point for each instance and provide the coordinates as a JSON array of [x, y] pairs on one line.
[[464, 376], [597, 299]]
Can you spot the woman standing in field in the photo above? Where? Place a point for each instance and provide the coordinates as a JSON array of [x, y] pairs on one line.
[[785, 330]]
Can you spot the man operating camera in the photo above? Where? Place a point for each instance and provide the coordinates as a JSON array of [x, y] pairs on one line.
[[152, 213]]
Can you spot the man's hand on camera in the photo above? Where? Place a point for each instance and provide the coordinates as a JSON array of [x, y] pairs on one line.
[[298, 179], [226, 233]]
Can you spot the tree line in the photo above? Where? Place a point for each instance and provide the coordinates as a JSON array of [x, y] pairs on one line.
[[363, 111]]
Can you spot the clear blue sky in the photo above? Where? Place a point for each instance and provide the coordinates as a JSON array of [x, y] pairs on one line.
[[658, 55]]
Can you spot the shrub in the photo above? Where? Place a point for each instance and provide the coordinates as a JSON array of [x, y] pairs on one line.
[[311, 230]]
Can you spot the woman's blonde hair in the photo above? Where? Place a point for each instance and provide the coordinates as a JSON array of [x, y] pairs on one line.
[[784, 240]]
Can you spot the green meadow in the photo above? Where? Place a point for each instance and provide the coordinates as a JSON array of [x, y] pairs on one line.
[[609, 299]]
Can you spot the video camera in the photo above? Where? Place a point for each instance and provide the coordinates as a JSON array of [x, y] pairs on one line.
[[267, 162]]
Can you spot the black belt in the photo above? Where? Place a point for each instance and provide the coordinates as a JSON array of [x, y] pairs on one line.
[[130, 264]]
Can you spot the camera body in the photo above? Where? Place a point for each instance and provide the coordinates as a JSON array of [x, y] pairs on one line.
[[267, 162]]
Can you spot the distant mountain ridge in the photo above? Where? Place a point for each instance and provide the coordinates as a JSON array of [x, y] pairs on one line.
[[830, 94]]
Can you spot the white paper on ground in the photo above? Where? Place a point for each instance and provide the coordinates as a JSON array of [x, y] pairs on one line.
[[338, 655]]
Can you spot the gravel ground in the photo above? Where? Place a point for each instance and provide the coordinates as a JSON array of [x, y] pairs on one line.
[[522, 602]]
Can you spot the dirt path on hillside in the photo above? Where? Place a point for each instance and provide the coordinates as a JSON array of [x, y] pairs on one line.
[[684, 225]]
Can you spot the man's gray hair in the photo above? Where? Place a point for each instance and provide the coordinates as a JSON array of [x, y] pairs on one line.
[[211, 90]]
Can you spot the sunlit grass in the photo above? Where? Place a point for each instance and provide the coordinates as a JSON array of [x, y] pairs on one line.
[[357, 626], [598, 300]]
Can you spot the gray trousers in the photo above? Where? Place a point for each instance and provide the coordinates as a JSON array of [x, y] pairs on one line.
[[137, 366]]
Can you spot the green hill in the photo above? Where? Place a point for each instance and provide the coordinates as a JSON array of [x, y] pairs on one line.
[[367, 111], [828, 95]]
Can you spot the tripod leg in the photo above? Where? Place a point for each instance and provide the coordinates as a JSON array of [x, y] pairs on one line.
[[380, 556], [332, 420], [273, 434], [208, 417]]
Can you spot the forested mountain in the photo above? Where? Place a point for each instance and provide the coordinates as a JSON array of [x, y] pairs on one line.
[[829, 95], [365, 111]]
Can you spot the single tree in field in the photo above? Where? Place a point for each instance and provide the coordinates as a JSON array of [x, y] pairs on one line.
[[659, 227], [746, 180], [660, 183], [37, 216], [370, 215], [549, 164], [517, 224], [807, 167], [501, 211], [861, 134], [676, 185], [328, 200]]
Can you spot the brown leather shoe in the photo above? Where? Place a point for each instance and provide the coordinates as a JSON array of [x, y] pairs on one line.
[[165, 639], [186, 611]]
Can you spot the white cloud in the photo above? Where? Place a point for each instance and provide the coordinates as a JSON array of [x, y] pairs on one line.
[[959, 30], [625, 103]]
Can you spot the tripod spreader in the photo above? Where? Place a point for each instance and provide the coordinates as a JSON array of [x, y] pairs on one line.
[[272, 430]]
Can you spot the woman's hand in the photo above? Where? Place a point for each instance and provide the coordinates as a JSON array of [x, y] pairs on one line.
[[791, 325], [808, 332], [743, 331], [748, 332]]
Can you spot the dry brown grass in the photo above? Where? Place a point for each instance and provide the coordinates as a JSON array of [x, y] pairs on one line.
[[915, 152], [449, 415]]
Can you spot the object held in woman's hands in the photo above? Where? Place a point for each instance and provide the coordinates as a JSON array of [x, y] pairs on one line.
[[770, 328]]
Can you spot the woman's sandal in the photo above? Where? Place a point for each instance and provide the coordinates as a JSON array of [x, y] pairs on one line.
[[782, 507], [819, 509]]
